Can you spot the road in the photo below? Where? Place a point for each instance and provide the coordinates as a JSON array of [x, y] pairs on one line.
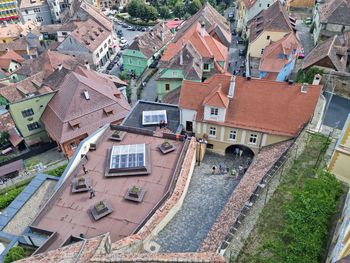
[[338, 111], [303, 32]]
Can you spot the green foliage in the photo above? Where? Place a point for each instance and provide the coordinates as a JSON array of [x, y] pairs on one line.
[[306, 220], [308, 75], [9, 196], [164, 12], [4, 135], [57, 171], [194, 6], [5, 158], [15, 253], [179, 9], [133, 8], [139, 9], [115, 7]]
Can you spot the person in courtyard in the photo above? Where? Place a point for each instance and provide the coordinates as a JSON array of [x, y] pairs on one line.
[[213, 169], [91, 192]]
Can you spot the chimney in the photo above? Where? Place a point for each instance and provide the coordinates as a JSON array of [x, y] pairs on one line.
[[117, 95], [87, 65], [202, 29], [303, 88], [290, 81], [317, 79], [59, 67], [86, 94], [231, 91]]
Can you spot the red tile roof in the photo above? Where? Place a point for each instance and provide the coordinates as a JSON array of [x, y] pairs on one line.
[[173, 23], [258, 105], [70, 105], [9, 56], [270, 62]]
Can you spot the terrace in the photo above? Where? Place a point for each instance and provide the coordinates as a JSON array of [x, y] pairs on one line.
[[128, 178]]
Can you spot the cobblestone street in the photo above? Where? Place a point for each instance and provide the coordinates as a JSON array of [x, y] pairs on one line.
[[206, 196]]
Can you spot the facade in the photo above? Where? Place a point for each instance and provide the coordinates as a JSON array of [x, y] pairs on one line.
[[85, 101], [268, 26], [330, 18], [10, 62], [247, 10], [292, 5], [145, 48], [8, 10], [195, 56], [228, 112], [36, 11], [279, 58], [331, 54], [339, 164]]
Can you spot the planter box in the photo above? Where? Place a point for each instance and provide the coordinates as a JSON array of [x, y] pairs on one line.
[[166, 147], [136, 197], [101, 209], [117, 135], [81, 184], [92, 147]]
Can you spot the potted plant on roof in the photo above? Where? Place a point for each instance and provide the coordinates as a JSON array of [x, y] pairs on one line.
[[81, 183], [166, 147], [135, 191], [100, 207], [116, 134]]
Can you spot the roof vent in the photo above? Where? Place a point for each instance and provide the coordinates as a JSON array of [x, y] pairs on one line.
[[100, 29], [86, 95], [290, 82], [91, 38], [96, 33], [304, 87]]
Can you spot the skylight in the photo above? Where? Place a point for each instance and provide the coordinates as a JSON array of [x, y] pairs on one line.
[[127, 156], [153, 117]]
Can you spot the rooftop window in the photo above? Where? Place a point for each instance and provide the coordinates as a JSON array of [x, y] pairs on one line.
[[154, 117]]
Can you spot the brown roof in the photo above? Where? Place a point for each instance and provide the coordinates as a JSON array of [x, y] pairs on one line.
[[214, 22], [19, 44], [330, 53], [249, 3], [287, 48], [69, 104], [274, 18], [8, 57], [68, 214], [152, 41], [47, 62], [258, 105], [335, 12], [6, 122], [89, 34], [11, 167], [15, 30], [14, 137]]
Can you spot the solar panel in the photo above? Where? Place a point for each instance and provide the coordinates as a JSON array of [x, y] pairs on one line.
[[127, 156], [153, 117]]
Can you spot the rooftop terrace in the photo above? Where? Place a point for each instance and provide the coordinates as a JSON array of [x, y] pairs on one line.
[[69, 214]]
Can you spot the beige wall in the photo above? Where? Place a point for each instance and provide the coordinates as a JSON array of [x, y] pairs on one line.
[[254, 48], [340, 164], [222, 138]]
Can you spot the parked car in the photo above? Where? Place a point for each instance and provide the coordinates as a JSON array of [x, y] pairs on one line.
[[154, 64], [121, 67], [308, 21], [231, 16], [234, 32], [131, 28], [111, 65], [124, 46], [143, 29], [241, 52], [124, 25], [301, 54]]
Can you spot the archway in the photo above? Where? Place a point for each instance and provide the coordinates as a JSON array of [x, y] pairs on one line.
[[239, 150]]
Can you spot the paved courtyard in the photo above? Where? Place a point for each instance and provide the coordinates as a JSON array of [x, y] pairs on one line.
[[206, 196]]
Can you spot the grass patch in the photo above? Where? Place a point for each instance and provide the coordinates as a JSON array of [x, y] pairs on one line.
[[57, 171], [9, 196], [15, 253], [294, 224]]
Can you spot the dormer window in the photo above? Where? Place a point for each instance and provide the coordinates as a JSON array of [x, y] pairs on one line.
[[206, 66], [214, 111]]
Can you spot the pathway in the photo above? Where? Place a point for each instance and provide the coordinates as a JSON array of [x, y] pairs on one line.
[[206, 196]]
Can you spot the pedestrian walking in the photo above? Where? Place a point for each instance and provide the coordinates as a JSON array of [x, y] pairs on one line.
[[92, 192], [84, 169]]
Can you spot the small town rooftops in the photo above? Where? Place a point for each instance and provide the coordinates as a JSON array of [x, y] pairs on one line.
[[330, 54], [8, 57], [259, 105], [335, 12]]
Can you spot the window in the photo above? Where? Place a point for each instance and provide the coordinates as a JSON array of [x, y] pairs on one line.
[[280, 56], [268, 37], [253, 138], [212, 131], [73, 145], [294, 51], [64, 33], [167, 86], [127, 156], [39, 19], [206, 66], [26, 11], [101, 49], [109, 41], [262, 51], [97, 55], [105, 45], [233, 135], [214, 111], [36, 10], [33, 126], [189, 126], [268, 5], [175, 74], [154, 117], [27, 112]]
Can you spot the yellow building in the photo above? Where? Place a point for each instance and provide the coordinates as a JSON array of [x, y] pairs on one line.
[[340, 161], [268, 26], [8, 10], [232, 112], [299, 4]]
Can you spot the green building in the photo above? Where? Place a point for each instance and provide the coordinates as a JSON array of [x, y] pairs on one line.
[[145, 48]]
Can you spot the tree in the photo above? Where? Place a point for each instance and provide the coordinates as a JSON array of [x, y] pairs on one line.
[[4, 135], [134, 7], [179, 10], [152, 13], [194, 6], [164, 12], [14, 254]]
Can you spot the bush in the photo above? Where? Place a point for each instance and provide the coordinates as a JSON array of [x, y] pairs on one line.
[[9, 196], [308, 75], [15, 253], [307, 215], [57, 171]]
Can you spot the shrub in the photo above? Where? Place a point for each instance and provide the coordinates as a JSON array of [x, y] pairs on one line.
[[308, 75], [9, 196], [57, 171], [15, 253]]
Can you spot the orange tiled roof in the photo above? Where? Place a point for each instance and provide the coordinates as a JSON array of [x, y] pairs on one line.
[[287, 46], [9, 56], [258, 105]]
